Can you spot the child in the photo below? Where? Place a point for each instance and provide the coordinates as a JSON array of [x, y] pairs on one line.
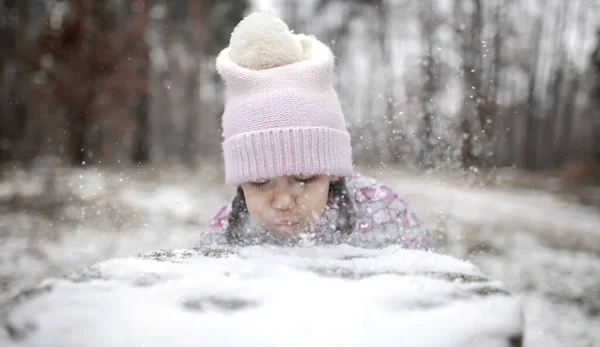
[[287, 150]]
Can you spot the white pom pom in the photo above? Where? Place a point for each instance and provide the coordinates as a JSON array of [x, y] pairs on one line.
[[263, 41]]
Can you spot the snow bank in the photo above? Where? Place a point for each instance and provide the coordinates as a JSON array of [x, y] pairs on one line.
[[265, 296]]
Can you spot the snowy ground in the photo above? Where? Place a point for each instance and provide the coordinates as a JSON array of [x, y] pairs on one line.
[[270, 296], [544, 245]]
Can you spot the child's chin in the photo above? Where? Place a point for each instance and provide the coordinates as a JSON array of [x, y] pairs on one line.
[[286, 231]]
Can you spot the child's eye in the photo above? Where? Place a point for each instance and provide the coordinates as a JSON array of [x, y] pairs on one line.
[[258, 184], [305, 179]]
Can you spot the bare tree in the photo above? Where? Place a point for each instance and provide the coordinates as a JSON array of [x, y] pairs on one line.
[[193, 35], [383, 10], [570, 112], [12, 107], [595, 61], [430, 86], [504, 123], [475, 124], [556, 98], [530, 133]]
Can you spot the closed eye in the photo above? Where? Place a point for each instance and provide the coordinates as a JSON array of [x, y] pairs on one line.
[[258, 184], [305, 180]]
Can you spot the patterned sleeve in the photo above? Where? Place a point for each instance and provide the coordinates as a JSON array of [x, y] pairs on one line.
[[215, 233], [385, 218]]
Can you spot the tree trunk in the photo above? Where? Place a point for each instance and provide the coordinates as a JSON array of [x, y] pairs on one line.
[[595, 62], [12, 119], [549, 137], [78, 126], [530, 138], [196, 38], [141, 145], [474, 126], [505, 131], [388, 76], [430, 87]]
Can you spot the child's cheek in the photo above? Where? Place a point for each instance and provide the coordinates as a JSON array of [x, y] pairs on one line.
[[312, 203], [257, 208]]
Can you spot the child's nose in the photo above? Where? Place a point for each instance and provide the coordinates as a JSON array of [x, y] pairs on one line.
[[283, 199]]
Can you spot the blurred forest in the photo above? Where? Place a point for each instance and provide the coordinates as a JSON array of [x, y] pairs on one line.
[[432, 84]]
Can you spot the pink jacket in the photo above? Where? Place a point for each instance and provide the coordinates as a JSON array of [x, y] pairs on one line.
[[383, 219]]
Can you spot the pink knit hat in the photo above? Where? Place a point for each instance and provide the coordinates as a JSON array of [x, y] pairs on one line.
[[282, 115]]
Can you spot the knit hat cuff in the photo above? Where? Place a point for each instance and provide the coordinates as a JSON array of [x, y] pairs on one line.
[[287, 151]]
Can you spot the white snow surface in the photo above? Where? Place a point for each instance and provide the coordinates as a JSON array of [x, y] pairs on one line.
[[267, 296]]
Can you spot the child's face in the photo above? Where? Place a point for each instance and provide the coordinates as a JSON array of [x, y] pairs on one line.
[[286, 205]]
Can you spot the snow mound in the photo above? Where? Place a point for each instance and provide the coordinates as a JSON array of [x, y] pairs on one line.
[[264, 296]]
